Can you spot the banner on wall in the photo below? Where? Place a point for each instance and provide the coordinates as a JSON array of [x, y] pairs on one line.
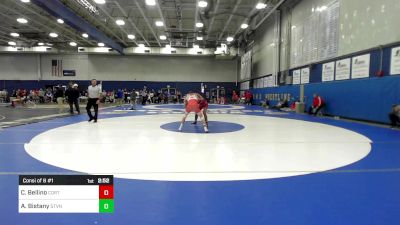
[[395, 61], [360, 66], [305, 76], [343, 69], [328, 72], [296, 77], [245, 72]]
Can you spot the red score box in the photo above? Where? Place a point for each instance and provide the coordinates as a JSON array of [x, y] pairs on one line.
[[106, 192]]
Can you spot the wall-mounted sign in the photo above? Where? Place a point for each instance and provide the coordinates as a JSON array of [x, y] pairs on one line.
[[296, 77], [69, 73], [328, 72], [305, 76], [395, 61], [343, 69], [360, 66]]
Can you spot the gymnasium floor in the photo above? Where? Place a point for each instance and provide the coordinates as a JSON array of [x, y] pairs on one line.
[[256, 167]]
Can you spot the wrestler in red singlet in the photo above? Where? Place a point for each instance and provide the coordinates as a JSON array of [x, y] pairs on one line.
[[192, 101]]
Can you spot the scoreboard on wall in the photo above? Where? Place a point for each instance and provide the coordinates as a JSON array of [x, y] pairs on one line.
[[66, 194]]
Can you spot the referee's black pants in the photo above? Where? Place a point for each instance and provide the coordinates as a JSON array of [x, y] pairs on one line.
[[92, 102]]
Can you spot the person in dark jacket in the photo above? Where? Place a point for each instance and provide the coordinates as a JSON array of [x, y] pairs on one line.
[[394, 116], [72, 95]]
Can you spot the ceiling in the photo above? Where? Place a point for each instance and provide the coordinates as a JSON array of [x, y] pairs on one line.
[[221, 18]]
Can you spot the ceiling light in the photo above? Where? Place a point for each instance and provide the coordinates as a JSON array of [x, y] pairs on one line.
[[167, 46], [202, 4], [53, 35], [159, 23], [131, 36], [22, 20], [12, 43], [261, 5], [120, 22], [60, 21], [229, 39], [73, 44], [14, 34], [40, 43], [141, 45], [85, 35], [244, 26], [150, 2], [25, 1], [101, 44], [100, 1], [199, 38], [163, 37], [196, 46], [199, 25]]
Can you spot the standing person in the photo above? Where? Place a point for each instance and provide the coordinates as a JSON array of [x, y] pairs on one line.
[[318, 104], [203, 105], [94, 94], [120, 97], [192, 105], [133, 99], [59, 96], [72, 94], [235, 98], [144, 97]]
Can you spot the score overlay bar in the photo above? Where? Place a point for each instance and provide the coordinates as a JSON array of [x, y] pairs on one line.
[[66, 194]]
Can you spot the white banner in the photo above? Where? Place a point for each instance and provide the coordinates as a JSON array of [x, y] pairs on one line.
[[305, 76], [328, 72], [395, 62], [245, 72], [296, 77], [343, 69], [360, 66]]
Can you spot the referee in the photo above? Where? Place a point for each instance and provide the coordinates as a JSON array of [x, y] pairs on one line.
[[94, 94]]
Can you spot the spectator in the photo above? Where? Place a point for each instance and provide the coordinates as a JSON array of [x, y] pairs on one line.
[[283, 103], [394, 116], [248, 96], [144, 97], [318, 104], [235, 98], [59, 96], [41, 95], [72, 95], [120, 97], [133, 99]]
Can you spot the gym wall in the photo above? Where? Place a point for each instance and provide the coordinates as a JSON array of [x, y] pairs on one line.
[[119, 68], [363, 26]]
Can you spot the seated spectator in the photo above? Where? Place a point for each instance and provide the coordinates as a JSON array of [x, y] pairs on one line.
[[283, 103], [394, 116], [235, 98], [317, 105]]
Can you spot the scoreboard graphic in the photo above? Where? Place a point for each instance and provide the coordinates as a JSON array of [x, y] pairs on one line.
[[66, 194]]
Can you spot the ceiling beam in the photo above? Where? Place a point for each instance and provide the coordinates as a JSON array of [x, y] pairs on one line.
[[230, 18], [160, 12], [210, 26], [56, 8], [44, 26], [132, 24], [108, 29], [246, 20], [147, 22]]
